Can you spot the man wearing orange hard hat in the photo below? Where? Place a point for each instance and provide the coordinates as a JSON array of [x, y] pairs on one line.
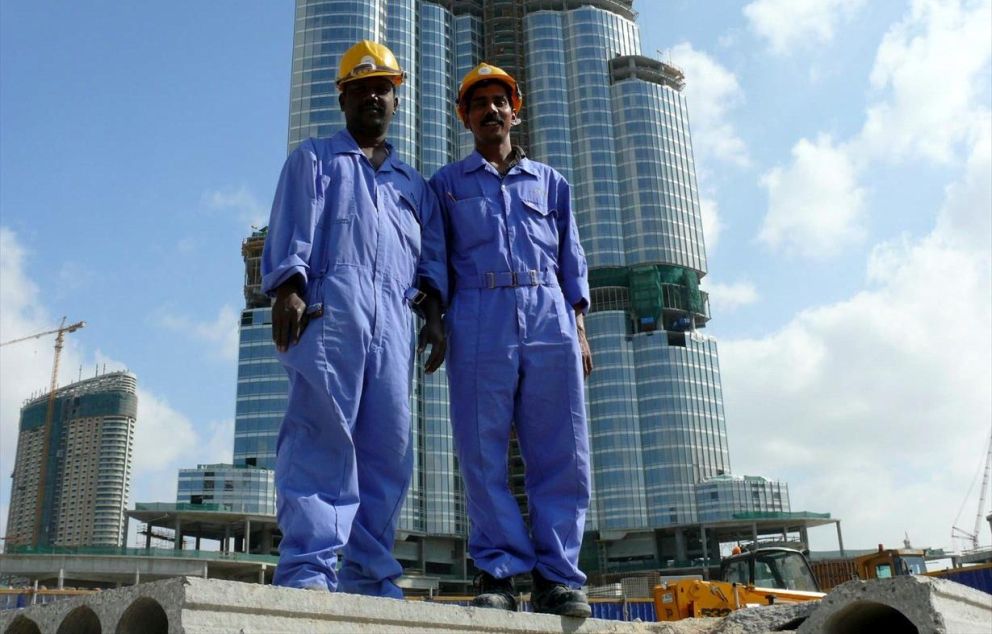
[[355, 242], [516, 353]]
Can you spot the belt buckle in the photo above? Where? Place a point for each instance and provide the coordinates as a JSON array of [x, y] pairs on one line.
[[513, 279], [534, 281], [491, 280]]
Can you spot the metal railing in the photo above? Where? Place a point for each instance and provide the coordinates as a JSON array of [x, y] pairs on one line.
[[160, 553]]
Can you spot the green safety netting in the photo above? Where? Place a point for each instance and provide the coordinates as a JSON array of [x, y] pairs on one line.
[[653, 288]]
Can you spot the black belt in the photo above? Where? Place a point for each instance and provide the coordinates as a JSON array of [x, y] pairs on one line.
[[511, 279]]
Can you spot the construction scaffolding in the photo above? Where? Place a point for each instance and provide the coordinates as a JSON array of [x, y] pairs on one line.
[[657, 297], [251, 250]]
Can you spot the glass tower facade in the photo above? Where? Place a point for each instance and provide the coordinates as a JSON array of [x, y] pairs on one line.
[[621, 138], [226, 487], [324, 30], [722, 496], [615, 124], [571, 114], [262, 383], [423, 36]]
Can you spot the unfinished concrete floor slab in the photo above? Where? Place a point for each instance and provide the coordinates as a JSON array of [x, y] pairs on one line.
[[209, 606], [189, 605]]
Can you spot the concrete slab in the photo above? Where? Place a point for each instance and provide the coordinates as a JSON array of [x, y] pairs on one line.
[[210, 606], [191, 605], [902, 604], [782, 617]]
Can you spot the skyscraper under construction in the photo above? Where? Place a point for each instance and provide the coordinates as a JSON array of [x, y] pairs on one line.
[[87, 455], [615, 124]]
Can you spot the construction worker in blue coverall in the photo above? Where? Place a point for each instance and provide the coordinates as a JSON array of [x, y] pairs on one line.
[[516, 353], [355, 239]]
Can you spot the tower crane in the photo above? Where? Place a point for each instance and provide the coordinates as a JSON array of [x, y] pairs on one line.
[[60, 334], [972, 537]]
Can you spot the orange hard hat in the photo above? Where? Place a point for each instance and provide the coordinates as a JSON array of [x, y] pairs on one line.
[[368, 59], [487, 72]]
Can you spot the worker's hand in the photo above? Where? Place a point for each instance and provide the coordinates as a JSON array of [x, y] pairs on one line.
[[289, 317], [584, 350], [432, 332]]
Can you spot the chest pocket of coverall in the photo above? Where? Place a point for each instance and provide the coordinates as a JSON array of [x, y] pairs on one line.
[[339, 222], [407, 223], [541, 224], [471, 223], [340, 210]]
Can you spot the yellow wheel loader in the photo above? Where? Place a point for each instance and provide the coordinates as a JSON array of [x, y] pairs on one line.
[[762, 576]]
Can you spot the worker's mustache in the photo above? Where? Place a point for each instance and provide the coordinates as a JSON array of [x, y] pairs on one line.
[[492, 119], [373, 103]]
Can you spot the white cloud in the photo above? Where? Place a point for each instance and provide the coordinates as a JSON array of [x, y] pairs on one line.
[[964, 220], [880, 403], [709, 210], [219, 442], [221, 333], [163, 434], [166, 440], [791, 24], [728, 297], [22, 313], [932, 72], [247, 207], [711, 92], [815, 206]]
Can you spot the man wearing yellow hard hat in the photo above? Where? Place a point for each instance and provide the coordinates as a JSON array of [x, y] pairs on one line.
[[516, 353], [355, 241]]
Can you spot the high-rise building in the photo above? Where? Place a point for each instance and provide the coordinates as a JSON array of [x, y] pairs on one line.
[[615, 124], [239, 489], [723, 496], [262, 384], [88, 472]]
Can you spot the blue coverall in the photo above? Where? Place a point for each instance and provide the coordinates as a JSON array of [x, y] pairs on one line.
[[517, 269], [363, 240]]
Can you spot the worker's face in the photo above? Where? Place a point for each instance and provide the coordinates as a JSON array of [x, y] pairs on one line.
[[490, 113], [368, 105]]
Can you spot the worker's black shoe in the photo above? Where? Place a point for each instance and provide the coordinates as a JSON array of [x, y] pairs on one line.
[[550, 597], [494, 593]]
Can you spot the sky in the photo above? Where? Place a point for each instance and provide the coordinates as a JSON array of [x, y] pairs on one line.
[[844, 158]]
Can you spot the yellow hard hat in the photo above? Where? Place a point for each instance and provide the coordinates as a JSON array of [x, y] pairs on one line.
[[368, 59], [485, 72]]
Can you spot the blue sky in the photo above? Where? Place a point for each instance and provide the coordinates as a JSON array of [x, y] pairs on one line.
[[844, 159]]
